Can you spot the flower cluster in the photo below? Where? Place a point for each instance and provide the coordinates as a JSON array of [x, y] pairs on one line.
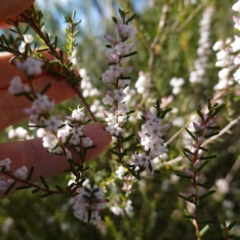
[[236, 45], [89, 204], [225, 60], [203, 50], [88, 89], [118, 54], [152, 142], [16, 86], [30, 67], [5, 181], [176, 83], [71, 133]]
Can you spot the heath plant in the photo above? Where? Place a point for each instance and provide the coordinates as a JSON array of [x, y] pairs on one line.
[[167, 130]]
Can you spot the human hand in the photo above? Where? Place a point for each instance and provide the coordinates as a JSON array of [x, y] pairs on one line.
[[31, 153], [12, 8]]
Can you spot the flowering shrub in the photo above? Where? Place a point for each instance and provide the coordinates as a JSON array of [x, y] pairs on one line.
[[158, 139]]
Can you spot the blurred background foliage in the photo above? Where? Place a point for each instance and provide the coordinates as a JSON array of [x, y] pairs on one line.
[[157, 211]]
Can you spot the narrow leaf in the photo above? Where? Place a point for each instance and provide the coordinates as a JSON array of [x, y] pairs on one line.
[[207, 194], [131, 18], [114, 20], [46, 88], [130, 54], [35, 190], [10, 188], [204, 230], [182, 175], [204, 185], [23, 187], [231, 225], [208, 157], [200, 115], [46, 195], [58, 188], [191, 134], [30, 173], [189, 216], [44, 182], [211, 134]]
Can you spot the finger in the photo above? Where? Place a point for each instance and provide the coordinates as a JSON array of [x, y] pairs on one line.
[[32, 154], [12, 8], [11, 106]]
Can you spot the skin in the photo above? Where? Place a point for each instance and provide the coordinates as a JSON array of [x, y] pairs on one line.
[[31, 152]]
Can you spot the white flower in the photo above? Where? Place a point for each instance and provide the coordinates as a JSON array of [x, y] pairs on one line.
[[113, 128], [77, 116], [236, 44], [108, 100], [88, 204], [120, 172], [41, 105], [86, 142], [236, 75], [52, 124], [50, 142], [119, 94], [19, 133], [5, 182], [21, 173], [5, 163], [16, 86], [28, 38], [222, 185], [31, 66], [236, 6]]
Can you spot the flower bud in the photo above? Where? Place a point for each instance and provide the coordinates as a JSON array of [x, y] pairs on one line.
[[197, 164], [192, 190], [200, 178], [197, 127], [200, 191], [187, 172]]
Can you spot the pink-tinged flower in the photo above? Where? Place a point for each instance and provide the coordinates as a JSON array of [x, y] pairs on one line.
[[197, 127], [88, 204], [125, 31], [122, 83], [5, 182], [197, 164], [16, 86], [110, 39], [112, 56], [124, 48], [200, 178], [188, 172], [109, 98], [201, 191], [237, 22], [192, 190]]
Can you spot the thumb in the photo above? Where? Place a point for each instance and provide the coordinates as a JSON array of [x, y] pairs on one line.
[[12, 8]]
